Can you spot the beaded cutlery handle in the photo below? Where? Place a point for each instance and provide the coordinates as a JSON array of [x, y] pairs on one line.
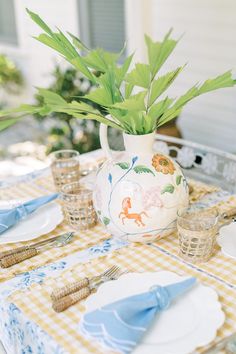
[[61, 239], [15, 250], [15, 258], [68, 289], [69, 300]]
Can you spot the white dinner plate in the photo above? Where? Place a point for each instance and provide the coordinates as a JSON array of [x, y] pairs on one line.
[[40, 222], [190, 321], [227, 240]]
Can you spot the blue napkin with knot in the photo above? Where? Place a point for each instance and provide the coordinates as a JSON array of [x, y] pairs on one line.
[[121, 325], [10, 217]]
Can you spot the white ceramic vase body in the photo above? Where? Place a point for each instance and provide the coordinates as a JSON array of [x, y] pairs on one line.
[[138, 191]]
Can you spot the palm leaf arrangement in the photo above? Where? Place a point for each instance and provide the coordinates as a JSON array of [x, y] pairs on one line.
[[134, 100]]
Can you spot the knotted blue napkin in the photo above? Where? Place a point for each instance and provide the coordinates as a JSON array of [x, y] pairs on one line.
[[121, 325], [10, 217]]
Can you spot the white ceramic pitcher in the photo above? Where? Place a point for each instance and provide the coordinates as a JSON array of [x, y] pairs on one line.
[[138, 191]]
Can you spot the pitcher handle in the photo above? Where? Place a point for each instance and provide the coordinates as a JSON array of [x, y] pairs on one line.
[[104, 141]]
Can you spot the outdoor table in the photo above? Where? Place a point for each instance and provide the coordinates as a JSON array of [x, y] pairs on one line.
[[27, 322]]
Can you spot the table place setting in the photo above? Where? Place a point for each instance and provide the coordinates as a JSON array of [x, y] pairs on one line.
[[198, 316], [121, 325], [27, 220], [132, 305], [135, 253], [118, 288], [190, 321]]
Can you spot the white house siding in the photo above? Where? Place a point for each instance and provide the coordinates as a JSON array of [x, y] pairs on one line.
[[209, 48]]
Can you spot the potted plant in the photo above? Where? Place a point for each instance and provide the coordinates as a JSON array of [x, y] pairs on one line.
[[137, 192]]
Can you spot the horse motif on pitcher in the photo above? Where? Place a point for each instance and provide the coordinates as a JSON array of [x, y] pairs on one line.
[[125, 214]]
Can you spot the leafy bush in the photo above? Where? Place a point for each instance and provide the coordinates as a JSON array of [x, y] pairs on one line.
[[64, 131], [10, 76]]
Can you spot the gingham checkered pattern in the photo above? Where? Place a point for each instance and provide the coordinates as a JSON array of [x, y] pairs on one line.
[[63, 327], [219, 272], [79, 242], [36, 188]]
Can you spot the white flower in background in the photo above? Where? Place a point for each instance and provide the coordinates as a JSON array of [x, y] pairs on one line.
[[209, 163], [186, 157], [229, 171], [161, 146]]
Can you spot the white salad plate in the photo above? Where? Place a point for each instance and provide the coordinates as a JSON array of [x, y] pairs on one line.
[[191, 321], [227, 240], [40, 222]]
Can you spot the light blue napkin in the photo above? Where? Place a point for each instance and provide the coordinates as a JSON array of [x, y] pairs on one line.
[[121, 325], [10, 217]]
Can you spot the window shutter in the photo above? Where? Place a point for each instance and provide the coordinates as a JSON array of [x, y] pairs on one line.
[[8, 32], [102, 23]]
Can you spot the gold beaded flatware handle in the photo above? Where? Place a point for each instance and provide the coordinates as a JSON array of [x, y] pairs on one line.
[[13, 251], [15, 258], [18, 256], [63, 303], [75, 286], [58, 241], [68, 289]]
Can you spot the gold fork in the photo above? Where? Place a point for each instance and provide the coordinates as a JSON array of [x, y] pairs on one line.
[[74, 292]]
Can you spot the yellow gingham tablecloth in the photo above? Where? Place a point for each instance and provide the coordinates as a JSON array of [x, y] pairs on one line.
[[89, 254]]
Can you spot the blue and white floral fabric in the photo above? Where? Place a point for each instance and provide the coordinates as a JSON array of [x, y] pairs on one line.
[[17, 333]]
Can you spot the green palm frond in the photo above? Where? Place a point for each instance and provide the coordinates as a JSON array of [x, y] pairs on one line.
[[132, 101]]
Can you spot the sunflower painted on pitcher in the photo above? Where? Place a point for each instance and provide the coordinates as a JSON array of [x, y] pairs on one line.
[[163, 164]]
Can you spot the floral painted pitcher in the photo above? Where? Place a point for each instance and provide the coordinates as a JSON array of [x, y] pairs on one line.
[[138, 192]]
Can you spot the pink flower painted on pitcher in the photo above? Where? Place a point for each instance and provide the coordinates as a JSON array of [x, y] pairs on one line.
[[152, 198]]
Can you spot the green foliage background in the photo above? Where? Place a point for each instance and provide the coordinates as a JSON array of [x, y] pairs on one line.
[[11, 80], [10, 76], [65, 131], [132, 101]]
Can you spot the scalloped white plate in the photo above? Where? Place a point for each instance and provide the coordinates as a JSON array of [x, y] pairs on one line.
[[227, 240], [42, 221], [191, 321]]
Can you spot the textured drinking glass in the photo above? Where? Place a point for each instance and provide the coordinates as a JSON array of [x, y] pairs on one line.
[[197, 230], [65, 167], [78, 206]]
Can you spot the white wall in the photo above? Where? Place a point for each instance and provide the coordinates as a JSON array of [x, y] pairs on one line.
[[209, 48]]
